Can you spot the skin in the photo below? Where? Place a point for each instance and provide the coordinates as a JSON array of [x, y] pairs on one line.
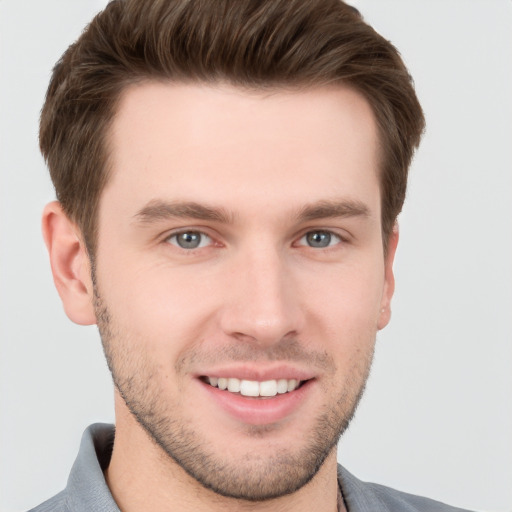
[[255, 297]]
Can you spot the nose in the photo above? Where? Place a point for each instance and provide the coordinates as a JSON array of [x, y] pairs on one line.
[[263, 303]]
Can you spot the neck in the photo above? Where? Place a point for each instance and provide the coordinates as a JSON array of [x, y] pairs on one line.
[[143, 477]]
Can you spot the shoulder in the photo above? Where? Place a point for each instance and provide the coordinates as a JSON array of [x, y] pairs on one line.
[[366, 497], [86, 488], [56, 504], [398, 500]]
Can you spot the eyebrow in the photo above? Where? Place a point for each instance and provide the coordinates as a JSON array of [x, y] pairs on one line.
[[333, 209], [159, 210]]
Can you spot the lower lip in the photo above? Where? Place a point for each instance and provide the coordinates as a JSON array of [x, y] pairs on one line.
[[259, 411]]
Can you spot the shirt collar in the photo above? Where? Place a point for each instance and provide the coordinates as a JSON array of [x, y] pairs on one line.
[[87, 489]]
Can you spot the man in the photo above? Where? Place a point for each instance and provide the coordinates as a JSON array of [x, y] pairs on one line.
[[229, 175]]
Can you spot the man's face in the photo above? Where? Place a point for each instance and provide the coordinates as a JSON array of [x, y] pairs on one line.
[[240, 245]]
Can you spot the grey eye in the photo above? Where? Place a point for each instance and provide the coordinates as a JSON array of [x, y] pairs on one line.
[[190, 240], [320, 239]]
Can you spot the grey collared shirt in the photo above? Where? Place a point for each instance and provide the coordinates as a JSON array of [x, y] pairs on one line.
[[87, 490]]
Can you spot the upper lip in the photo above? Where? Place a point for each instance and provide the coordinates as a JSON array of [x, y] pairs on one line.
[[258, 373]]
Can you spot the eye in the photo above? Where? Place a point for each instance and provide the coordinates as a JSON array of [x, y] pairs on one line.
[[320, 239], [190, 240]]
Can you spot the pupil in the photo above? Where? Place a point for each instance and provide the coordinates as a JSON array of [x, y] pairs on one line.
[[189, 240], [319, 239]]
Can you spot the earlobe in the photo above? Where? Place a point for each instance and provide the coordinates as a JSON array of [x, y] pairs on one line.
[[389, 280], [70, 264]]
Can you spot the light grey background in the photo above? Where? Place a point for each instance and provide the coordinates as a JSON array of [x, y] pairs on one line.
[[437, 416]]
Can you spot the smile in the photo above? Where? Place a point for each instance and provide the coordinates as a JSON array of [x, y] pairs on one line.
[[254, 388]]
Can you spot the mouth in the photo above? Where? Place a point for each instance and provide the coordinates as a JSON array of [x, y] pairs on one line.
[[254, 388], [253, 399]]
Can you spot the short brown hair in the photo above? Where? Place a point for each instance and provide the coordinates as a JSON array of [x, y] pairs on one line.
[[248, 43]]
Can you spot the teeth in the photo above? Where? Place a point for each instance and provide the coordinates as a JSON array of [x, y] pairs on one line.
[[268, 388], [254, 387], [249, 388], [233, 385], [282, 386], [292, 384]]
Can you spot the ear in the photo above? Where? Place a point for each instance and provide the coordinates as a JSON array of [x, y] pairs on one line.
[[389, 280], [70, 264]]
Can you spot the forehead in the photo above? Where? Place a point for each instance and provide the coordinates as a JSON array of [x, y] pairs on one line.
[[196, 141]]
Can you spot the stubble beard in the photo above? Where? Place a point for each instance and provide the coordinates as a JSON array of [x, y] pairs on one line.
[[255, 477]]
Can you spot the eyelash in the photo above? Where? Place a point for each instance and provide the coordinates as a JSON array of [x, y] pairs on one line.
[[209, 240], [201, 234], [329, 234]]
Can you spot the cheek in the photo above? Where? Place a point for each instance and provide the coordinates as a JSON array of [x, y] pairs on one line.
[[163, 308], [343, 320], [348, 297]]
